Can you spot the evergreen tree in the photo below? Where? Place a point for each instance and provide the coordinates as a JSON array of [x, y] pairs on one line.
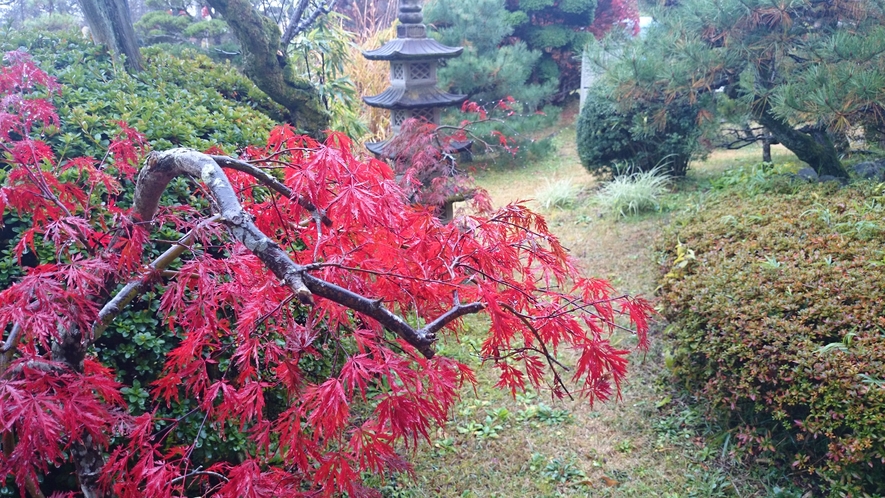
[[525, 48], [493, 65], [808, 70], [559, 30], [172, 21]]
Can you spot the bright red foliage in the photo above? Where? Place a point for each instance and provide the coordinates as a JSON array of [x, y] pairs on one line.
[[364, 236]]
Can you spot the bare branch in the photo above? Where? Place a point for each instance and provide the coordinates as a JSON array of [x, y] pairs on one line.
[[35, 364], [293, 23], [162, 167], [453, 314], [422, 339], [298, 25], [199, 472]]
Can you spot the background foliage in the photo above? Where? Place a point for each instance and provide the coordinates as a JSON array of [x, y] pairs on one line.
[[493, 64], [811, 72], [558, 30], [194, 103]]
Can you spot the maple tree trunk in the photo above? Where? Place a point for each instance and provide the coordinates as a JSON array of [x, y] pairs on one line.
[[266, 65], [88, 458], [111, 25]]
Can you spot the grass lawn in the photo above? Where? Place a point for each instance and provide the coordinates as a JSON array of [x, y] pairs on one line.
[[648, 443]]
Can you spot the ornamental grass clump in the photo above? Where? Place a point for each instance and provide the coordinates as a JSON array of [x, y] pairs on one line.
[[635, 193], [558, 194], [777, 306]]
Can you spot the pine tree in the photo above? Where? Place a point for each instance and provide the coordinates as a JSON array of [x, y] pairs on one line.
[[809, 71], [559, 29], [494, 64]]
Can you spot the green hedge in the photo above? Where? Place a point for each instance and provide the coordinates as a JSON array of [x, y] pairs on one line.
[[777, 306], [191, 102]]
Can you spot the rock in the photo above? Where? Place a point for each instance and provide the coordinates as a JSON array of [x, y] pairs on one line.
[[807, 174], [871, 170], [831, 178]]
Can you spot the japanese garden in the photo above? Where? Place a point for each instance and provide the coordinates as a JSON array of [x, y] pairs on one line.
[[411, 248]]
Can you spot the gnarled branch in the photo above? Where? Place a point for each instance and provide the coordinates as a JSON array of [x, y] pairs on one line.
[[162, 167]]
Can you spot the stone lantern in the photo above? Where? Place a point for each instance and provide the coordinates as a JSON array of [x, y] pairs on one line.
[[413, 61]]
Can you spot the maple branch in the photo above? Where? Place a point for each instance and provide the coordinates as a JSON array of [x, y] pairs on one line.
[[199, 472], [453, 314], [15, 336], [138, 286], [35, 364], [269, 181], [422, 339], [161, 167], [356, 269], [557, 380], [9, 346]]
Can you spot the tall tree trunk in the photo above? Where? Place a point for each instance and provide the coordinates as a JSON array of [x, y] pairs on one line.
[[111, 25], [267, 64], [815, 147], [766, 146]]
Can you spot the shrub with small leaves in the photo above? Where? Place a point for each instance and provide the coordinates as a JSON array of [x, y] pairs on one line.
[[778, 315], [611, 133]]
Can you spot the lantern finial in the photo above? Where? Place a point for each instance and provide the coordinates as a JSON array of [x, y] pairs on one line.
[[410, 12]]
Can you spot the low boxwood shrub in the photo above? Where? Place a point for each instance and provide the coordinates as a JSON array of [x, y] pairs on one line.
[[777, 306]]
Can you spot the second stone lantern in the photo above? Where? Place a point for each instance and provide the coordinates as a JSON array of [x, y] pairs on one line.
[[413, 62]]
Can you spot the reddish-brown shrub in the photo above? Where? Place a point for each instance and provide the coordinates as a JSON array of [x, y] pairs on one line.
[[778, 311]]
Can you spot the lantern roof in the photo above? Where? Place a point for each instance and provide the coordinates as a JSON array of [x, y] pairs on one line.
[[411, 42], [397, 97], [405, 49]]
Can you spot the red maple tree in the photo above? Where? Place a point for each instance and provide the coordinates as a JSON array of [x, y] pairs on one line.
[[301, 238]]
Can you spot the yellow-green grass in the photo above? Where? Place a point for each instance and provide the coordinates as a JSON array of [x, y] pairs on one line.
[[644, 444]]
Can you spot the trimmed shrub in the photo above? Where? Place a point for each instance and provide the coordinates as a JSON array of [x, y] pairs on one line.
[[777, 305], [191, 102], [609, 134]]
